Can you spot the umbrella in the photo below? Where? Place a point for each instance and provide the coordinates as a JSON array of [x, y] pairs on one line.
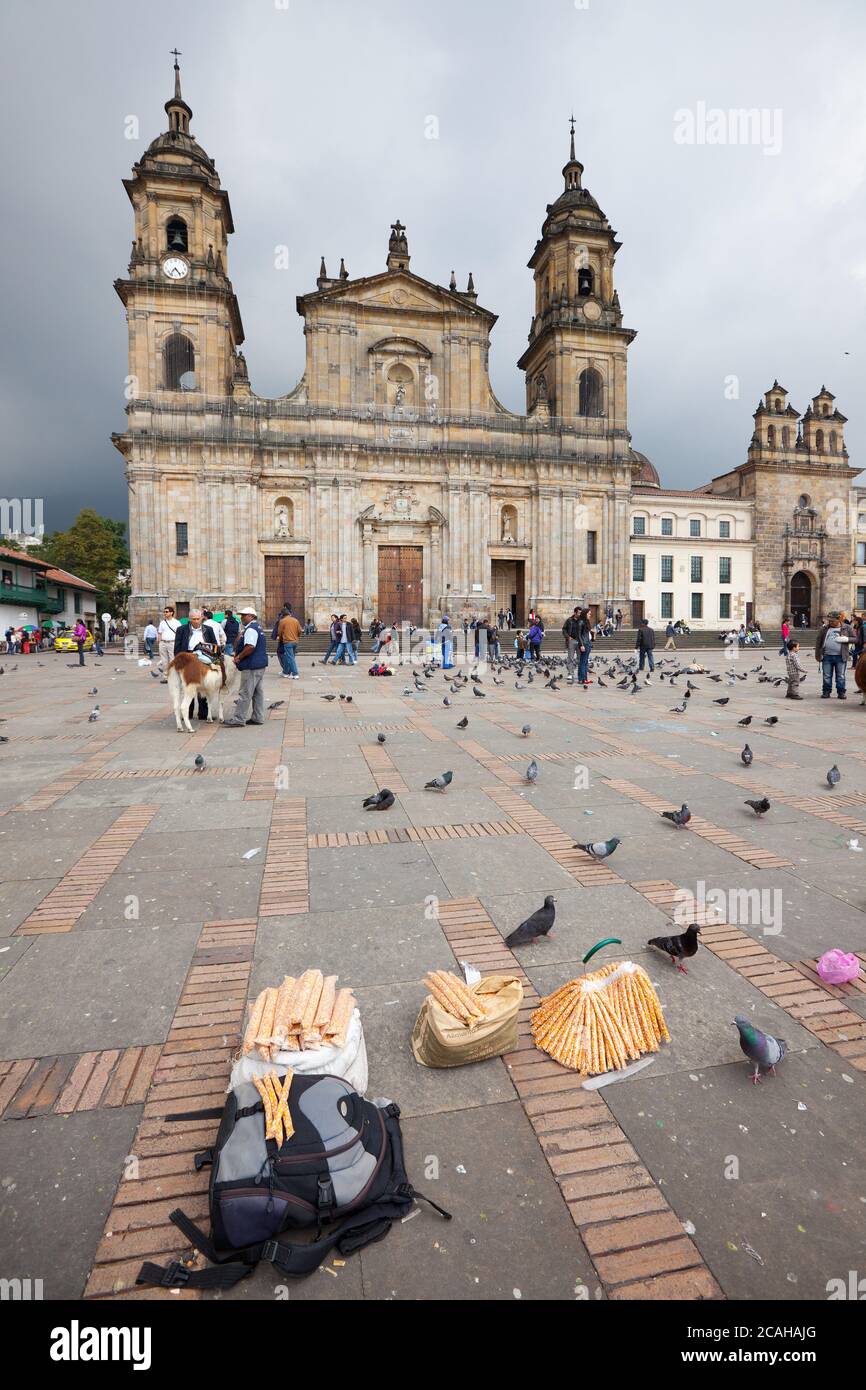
[[29, 627]]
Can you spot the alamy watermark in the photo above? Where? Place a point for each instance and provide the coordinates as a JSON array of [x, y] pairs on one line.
[[741, 907], [713, 125], [21, 516]]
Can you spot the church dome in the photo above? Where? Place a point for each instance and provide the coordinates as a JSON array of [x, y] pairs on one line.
[[648, 476]]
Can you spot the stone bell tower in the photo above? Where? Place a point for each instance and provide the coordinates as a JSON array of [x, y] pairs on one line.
[[575, 364]]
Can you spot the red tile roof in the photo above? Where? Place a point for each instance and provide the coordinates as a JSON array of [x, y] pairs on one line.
[[70, 580], [22, 557]]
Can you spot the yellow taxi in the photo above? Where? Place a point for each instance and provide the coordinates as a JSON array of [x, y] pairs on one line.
[[67, 643]]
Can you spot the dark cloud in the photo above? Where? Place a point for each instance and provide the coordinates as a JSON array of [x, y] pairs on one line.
[[735, 262]]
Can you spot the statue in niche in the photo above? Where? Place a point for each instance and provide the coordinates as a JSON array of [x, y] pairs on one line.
[[507, 534], [281, 522]]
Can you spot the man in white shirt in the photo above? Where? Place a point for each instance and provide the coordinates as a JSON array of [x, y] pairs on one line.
[[166, 634], [150, 637]]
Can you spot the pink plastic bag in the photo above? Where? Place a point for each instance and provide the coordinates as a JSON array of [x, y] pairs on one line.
[[837, 967]]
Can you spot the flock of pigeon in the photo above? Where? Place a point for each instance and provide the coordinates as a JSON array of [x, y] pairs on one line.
[[762, 1049]]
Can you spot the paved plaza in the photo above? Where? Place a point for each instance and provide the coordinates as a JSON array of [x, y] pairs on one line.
[[135, 928]]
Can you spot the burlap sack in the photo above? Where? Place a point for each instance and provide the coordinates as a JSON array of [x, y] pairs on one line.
[[440, 1040]]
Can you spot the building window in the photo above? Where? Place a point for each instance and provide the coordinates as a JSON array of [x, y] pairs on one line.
[[771, 437], [590, 393], [667, 574], [697, 605], [638, 526], [786, 437], [725, 530], [694, 527], [181, 538], [61, 598], [179, 357], [861, 596], [861, 552], [638, 568], [7, 578], [77, 602], [833, 442], [176, 238], [724, 605], [667, 525], [697, 567], [667, 605], [724, 569], [584, 281], [592, 547], [819, 441]]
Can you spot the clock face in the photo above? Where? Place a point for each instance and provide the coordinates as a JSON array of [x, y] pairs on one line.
[[175, 268]]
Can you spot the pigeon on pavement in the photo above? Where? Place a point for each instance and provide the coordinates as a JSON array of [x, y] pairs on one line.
[[600, 849], [680, 817], [526, 730], [532, 772], [199, 762], [438, 784], [463, 723], [759, 807], [380, 802], [744, 723], [380, 738], [747, 756], [679, 948], [834, 776], [539, 924], [762, 1049]]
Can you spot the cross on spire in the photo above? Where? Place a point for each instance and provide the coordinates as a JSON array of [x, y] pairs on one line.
[[571, 118]]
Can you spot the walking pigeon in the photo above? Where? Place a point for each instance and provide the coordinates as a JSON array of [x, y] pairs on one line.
[[479, 694], [532, 772], [834, 776], [773, 719], [199, 762], [276, 704], [759, 807], [380, 738], [680, 817], [746, 756], [539, 924], [762, 1049], [463, 723], [526, 730], [600, 849], [744, 723], [679, 948], [438, 784], [382, 801]]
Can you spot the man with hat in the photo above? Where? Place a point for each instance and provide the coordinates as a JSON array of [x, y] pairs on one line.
[[831, 652], [252, 661]]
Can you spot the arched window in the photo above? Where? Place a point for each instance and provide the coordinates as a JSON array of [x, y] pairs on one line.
[[833, 442], [786, 437], [819, 441], [778, 406], [584, 281], [179, 363], [825, 409], [590, 392], [771, 436], [804, 501], [176, 238]]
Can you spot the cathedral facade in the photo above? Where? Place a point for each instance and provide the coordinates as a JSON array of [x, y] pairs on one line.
[[391, 482]]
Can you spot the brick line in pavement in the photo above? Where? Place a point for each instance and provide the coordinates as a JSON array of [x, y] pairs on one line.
[[76, 1081], [634, 1239], [394, 835], [382, 767], [115, 774], [262, 784], [71, 897], [191, 1074], [725, 839], [585, 871], [807, 1000], [285, 888], [824, 807]]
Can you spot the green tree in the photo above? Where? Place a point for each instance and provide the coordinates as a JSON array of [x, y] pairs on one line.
[[93, 548]]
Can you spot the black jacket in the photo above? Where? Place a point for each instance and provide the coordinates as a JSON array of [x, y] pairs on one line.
[[181, 637], [646, 639], [571, 628]]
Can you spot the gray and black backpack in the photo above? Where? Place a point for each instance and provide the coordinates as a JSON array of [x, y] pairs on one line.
[[342, 1169]]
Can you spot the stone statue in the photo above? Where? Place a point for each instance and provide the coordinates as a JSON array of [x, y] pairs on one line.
[[281, 526], [401, 394], [507, 537]]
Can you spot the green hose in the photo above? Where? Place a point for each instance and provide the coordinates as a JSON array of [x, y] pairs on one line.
[[608, 941]]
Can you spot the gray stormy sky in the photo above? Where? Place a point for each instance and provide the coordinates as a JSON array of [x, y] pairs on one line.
[[316, 111]]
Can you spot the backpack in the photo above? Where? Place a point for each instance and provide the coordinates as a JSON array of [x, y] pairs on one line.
[[342, 1164]]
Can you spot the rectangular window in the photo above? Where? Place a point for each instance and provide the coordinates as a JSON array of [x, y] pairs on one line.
[[861, 596], [697, 569], [724, 605], [591, 547], [667, 605], [7, 578], [725, 530], [667, 525], [724, 569], [638, 525], [638, 568], [694, 528], [78, 603], [697, 605], [667, 574], [861, 552], [181, 538]]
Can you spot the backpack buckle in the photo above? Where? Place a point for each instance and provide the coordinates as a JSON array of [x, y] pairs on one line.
[[270, 1249], [174, 1275], [326, 1199]]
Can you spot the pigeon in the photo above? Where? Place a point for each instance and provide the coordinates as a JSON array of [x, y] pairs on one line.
[[446, 702], [328, 697], [680, 817], [532, 772], [380, 802], [678, 709], [601, 849], [93, 715], [762, 1049], [723, 701], [834, 776], [154, 675], [602, 683], [759, 807], [537, 925], [773, 719], [3, 738], [479, 694], [463, 723], [94, 691], [746, 756], [744, 723], [679, 948], [526, 730], [438, 784], [277, 704], [199, 762], [380, 738]]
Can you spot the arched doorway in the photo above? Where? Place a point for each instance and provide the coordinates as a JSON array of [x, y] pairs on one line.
[[801, 599]]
